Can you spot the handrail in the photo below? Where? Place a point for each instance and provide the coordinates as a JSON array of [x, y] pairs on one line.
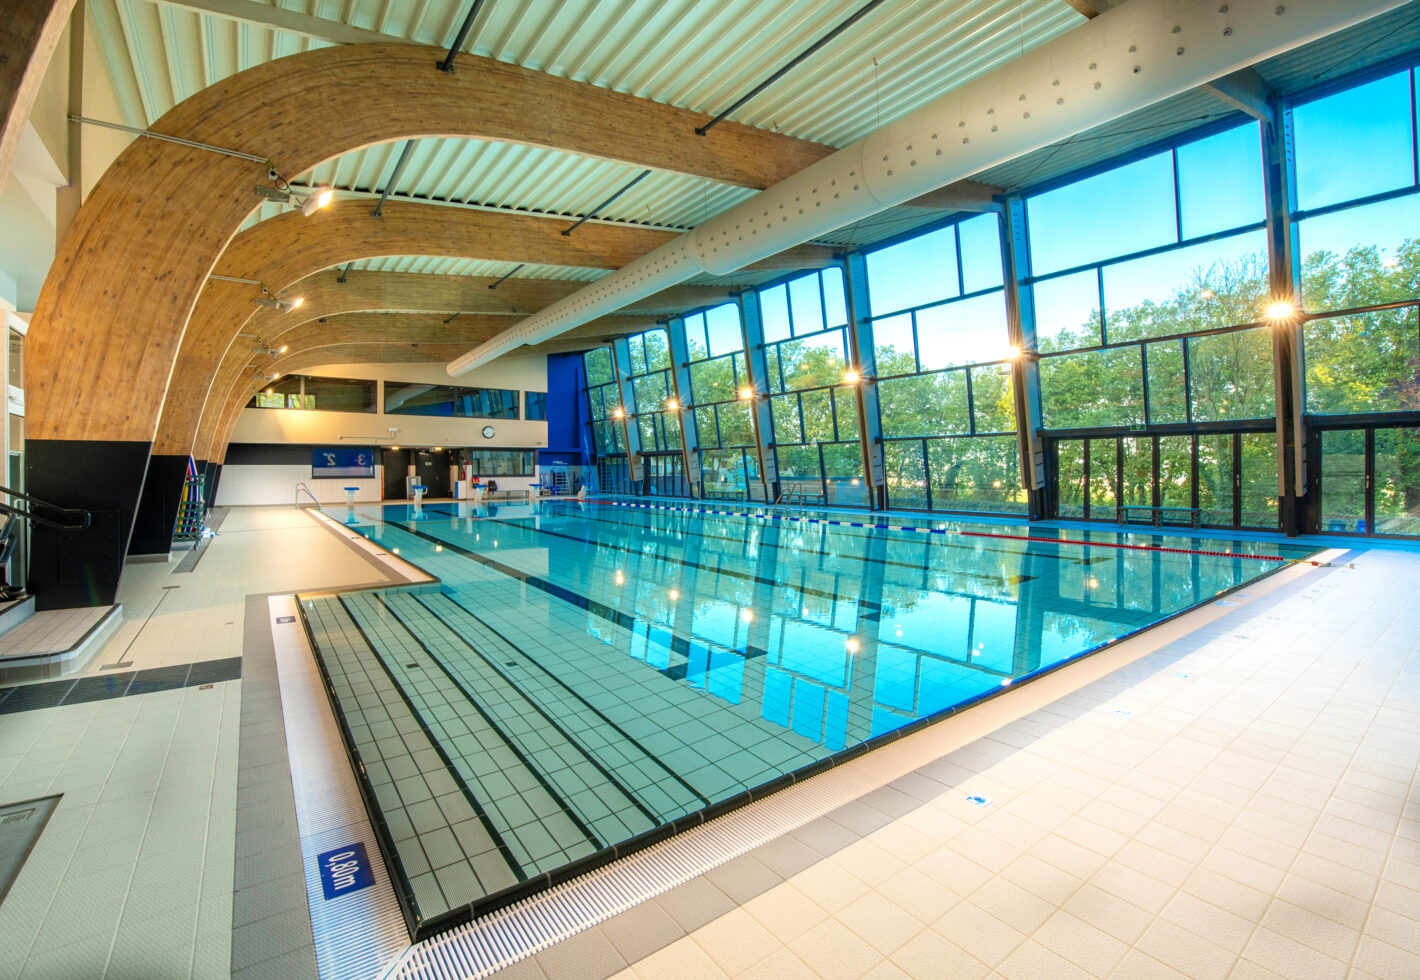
[[302, 486], [28, 514]]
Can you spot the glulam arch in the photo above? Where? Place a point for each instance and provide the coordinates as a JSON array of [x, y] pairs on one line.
[[126, 277]]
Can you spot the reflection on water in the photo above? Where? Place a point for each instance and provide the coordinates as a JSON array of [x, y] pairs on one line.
[[836, 634]]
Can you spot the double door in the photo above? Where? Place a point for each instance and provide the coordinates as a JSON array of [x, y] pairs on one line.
[[1229, 477], [663, 475], [1368, 481]]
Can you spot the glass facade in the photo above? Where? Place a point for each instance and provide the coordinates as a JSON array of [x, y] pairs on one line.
[[724, 422], [1143, 288]]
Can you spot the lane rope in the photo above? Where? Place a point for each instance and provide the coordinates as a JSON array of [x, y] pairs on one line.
[[969, 534]]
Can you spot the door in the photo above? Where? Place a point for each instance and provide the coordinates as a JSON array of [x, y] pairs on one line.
[[396, 466], [432, 469], [1370, 481], [1229, 477]]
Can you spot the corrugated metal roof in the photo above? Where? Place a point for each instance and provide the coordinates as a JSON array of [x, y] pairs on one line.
[[442, 266], [689, 53]]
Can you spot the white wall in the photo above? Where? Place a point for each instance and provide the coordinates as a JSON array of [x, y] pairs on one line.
[[278, 425], [241, 485]]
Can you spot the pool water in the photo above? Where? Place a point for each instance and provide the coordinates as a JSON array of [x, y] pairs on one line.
[[588, 672]]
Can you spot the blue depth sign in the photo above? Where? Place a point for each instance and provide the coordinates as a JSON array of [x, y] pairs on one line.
[[345, 870], [341, 462]]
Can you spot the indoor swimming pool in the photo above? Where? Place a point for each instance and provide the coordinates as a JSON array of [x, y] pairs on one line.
[[588, 673]]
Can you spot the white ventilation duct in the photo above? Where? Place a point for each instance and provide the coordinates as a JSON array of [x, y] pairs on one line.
[[1125, 59]]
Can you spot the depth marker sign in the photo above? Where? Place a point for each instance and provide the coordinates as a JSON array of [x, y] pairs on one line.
[[344, 870]]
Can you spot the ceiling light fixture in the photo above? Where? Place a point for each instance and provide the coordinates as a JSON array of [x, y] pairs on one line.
[[284, 305], [308, 199]]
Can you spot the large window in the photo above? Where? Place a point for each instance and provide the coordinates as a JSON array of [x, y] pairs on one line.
[[814, 413], [418, 398], [1146, 314], [651, 392], [603, 401], [724, 422], [317, 394], [501, 462], [941, 347], [1358, 221]]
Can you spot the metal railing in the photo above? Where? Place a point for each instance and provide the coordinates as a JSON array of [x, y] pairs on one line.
[[82, 518], [300, 487]]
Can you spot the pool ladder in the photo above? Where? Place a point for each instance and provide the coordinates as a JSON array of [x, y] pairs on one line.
[[302, 487], [789, 497]]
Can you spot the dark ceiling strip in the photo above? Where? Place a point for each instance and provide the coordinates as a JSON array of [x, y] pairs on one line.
[[447, 65], [597, 210], [863, 11], [394, 177]]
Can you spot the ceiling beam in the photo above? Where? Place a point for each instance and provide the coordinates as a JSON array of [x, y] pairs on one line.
[[1244, 90], [29, 33], [281, 19]]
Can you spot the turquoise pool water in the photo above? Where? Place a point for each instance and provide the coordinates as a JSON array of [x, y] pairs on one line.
[[590, 671]]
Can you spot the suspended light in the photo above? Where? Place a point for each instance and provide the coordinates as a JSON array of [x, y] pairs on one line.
[[284, 348], [284, 305], [297, 302]]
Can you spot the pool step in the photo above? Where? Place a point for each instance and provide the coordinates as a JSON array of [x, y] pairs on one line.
[[549, 792], [642, 776], [419, 803]]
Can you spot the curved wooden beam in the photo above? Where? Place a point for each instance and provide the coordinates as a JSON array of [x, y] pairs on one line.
[[113, 310], [286, 249], [29, 33]]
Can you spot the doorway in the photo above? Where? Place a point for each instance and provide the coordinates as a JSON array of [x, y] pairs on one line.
[[1368, 481], [396, 467], [431, 466], [1229, 477]]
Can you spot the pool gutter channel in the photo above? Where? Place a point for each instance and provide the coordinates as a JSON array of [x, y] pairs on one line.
[[421, 928]]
